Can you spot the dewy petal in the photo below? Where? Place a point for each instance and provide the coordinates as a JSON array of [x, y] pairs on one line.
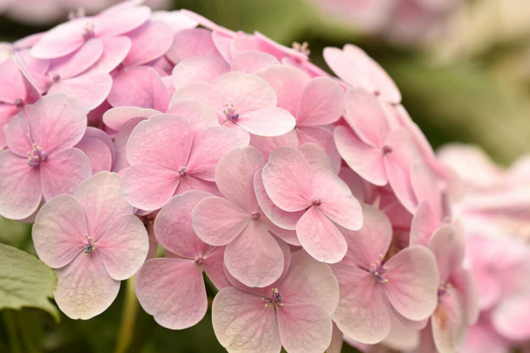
[[310, 282], [279, 217], [287, 179], [320, 237], [366, 116], [149, 187], [173, 291], [363, 312], [199, 115], [164, 140], [449, 326], [214, 229], [243, 324], [373, 240], [234, 177], [270, 121], [304, 328], [173, 227], [413, 280], [84, 288], [20, 187], [58, 233], [149, 42], [337, 201], [251, 61], [208, 148], [63, 172], [200, 69], [191, 43], [56, 122], [247, 93], [365, 160], [254, 257], [288, 83], [89, 89], [322, 102], [123, 248], [447, 245]]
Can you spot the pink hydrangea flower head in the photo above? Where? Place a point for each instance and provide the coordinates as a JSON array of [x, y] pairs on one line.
[[294, 186], [293, 312], [93, 241], [172, 288], [41, 161], [167, 158], [373, 286], [358, 70], [243, 103], [252, 254]]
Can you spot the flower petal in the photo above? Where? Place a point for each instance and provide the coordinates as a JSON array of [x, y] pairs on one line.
[[148, 42], [322, 102], [449, 326], [199, 115], [251, 61], [191, 43], [447, 245], [200, 69], [270, 121], [89, 89]]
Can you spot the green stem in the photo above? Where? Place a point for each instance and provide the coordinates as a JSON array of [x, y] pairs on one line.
[[11, 327], [128, 318]]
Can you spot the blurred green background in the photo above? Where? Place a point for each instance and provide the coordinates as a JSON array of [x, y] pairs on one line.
[[467, 85]]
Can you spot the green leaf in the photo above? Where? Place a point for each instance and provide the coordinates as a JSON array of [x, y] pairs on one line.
[[25, 281]]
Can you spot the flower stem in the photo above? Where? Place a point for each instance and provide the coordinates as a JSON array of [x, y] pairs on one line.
[[11, 328], [128, 318]]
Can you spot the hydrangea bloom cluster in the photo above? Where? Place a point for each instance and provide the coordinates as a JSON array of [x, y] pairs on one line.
[[313, 203]]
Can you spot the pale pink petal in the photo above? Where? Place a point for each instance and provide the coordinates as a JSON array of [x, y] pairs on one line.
[[63, 172], [84, 288], [363, 312], [173, 291], [449, 326], [208, 148], [323, 137], [190, 43], [62, 40], [287, 179], [465, 283], [213, 266], [362, 158], [366, 116], [101, 135], [98, 153], [58, 233], [200, 116], [223, 43], [424, 223], [138, 86], [366, 245], [57, 122], [12, 87], [115, 49], [120, 20], [241, 133], [18, 136], [200, 69], [116, 118], [149, 42], [510, 318], [164, 140], [267, 144], [215, 230], [320, 237], [288, 83], [251, 61], [234, 177], [447, 245], [310, 282], [123, 248], [304, 328], [149, 187], [413, 280], [247, 93], [120, 142], [243, 324], [322, 102], [358, 185], [89, 89], [202, 93], [206, 23], [401, 337], [279, 217], [254, 257], [77, 62], [335, 198], [288, 236], [271, 121], [189, 182], [173, 227], [20, 187]]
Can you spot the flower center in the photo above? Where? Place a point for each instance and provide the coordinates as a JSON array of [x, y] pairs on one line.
[[378, 271], [19, 103], [36, 156], [444, 291], [198, 259], [89, 245], [56, 77], [230, 112], [183, 171], [256, 216], [387, 150], [316, 202], [275, 299], [89, 31], [302, 48]]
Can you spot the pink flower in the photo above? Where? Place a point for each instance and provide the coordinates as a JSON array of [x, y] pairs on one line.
[[167, 159], [99, 148], [373, 286], [358, 70], [294, 186], [41, 161], [172, 288], [252, 254], [93, 241], [293, 312], [375, 149], [243, 103]]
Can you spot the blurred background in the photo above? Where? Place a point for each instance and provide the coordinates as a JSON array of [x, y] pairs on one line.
[[463, 67]]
